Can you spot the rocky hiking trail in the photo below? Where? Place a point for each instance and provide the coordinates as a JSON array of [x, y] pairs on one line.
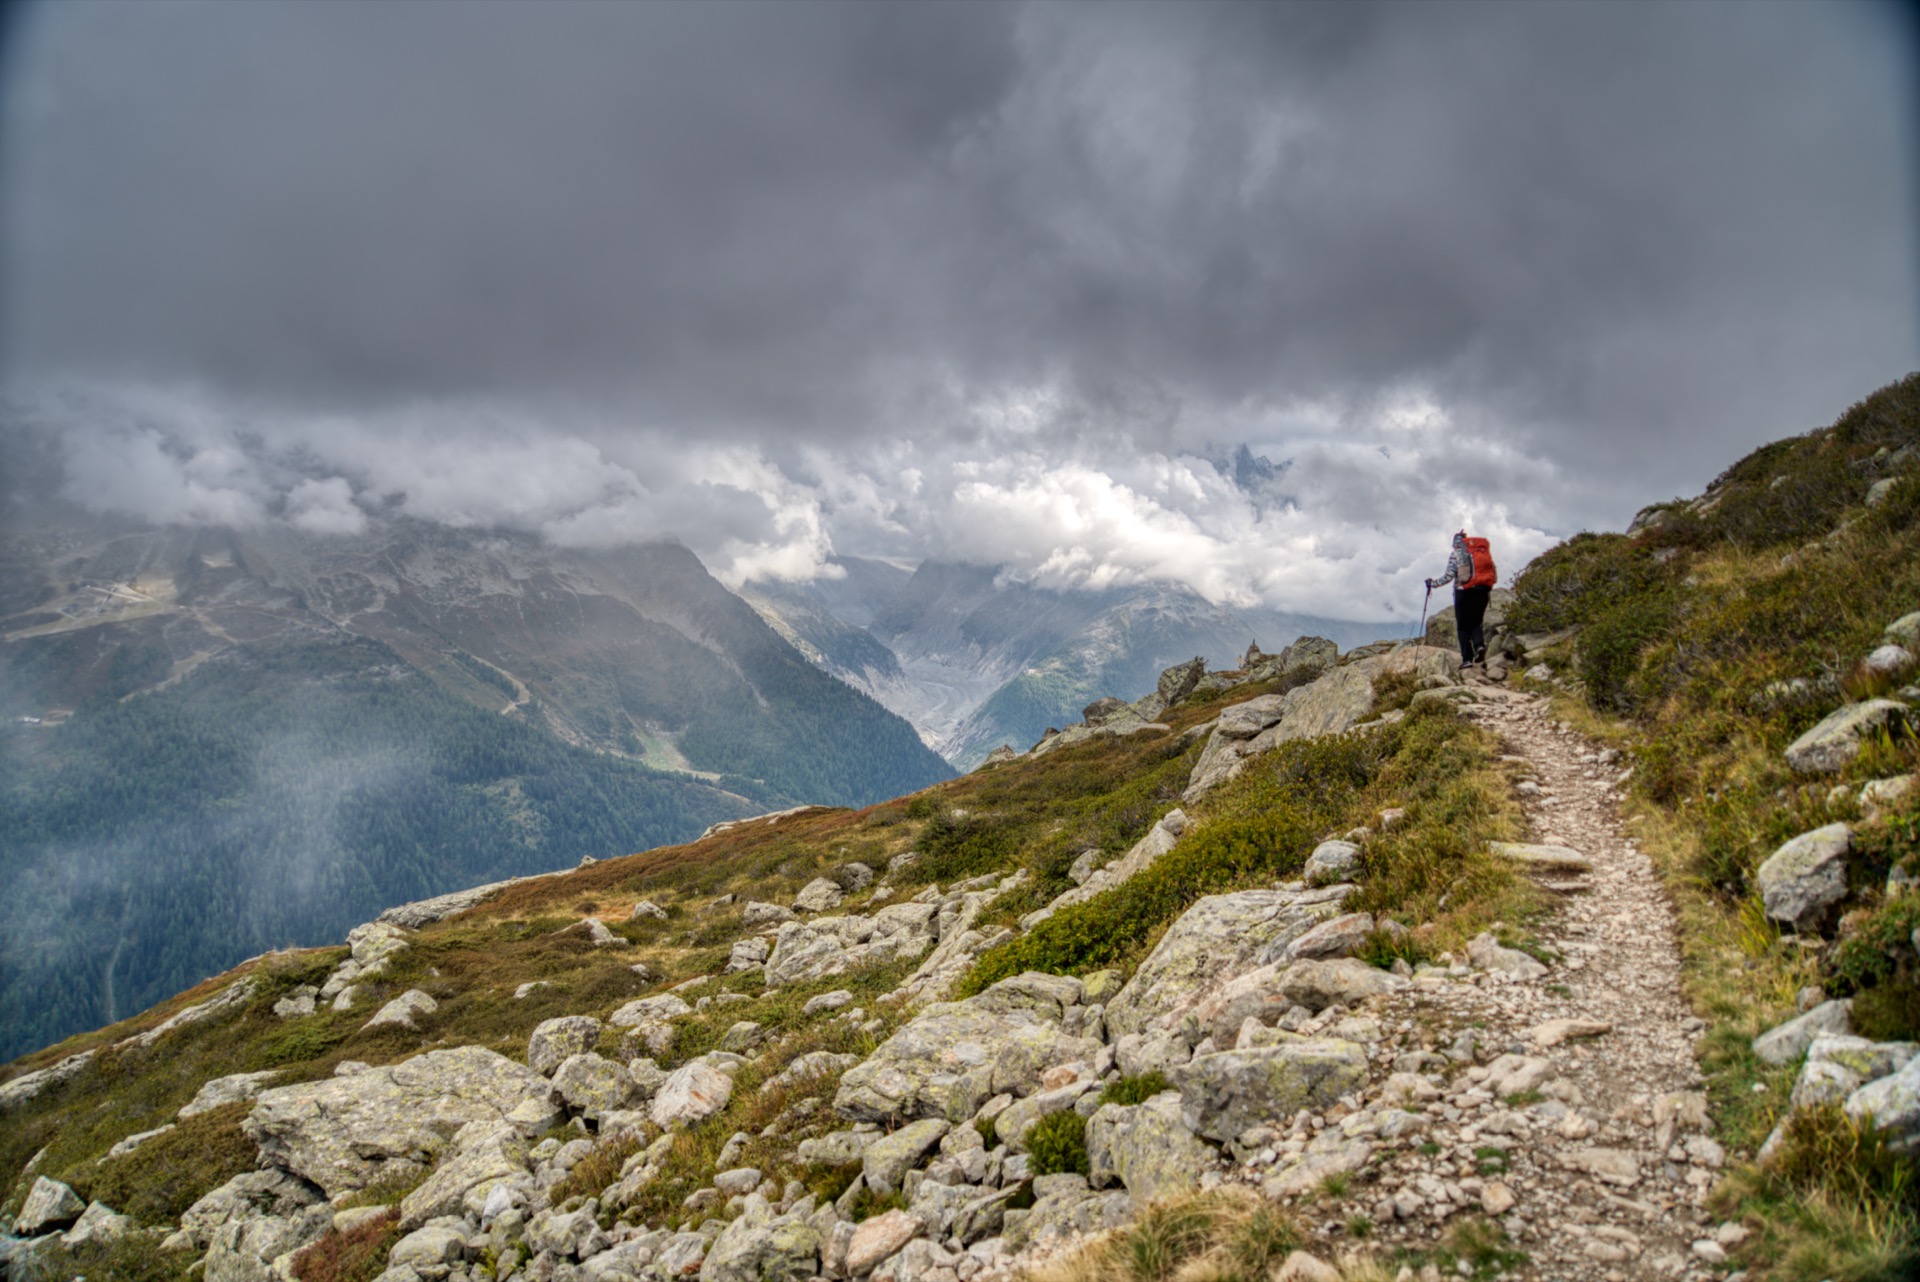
[[1582, 1126]]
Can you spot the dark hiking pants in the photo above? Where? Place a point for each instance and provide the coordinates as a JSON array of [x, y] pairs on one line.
[[1469, 611]]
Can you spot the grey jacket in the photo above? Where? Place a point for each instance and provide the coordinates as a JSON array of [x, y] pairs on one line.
[[1459, 567]]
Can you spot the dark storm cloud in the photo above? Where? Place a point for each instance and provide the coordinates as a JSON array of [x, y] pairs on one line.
[[911, 277]]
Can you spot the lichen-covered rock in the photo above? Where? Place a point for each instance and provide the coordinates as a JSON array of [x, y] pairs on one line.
[[1147, 1148], [1823, 1083], [1893, 1102], [251, 1221], [818, 896], [888, 1159], [1068, 1208], [1330, 862], [554, 1041], [1806, 876], [272, 1193], [1227, 1092], [429, 1252], [1219, 937], [404, 1010], [99, 1223], [804, 952], [1488, 953], [1343, 936], [1869, 1059], [50, 1205], [1836, 740], [954, 1056], [570, 1235], [593, 1087], [754, 1248], [481, 1157], [344, 1133], [1787, 1042], [692, 1092]]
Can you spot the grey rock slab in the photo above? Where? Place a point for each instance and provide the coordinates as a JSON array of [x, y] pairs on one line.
[[344, 1133], [878, 1239], [1147, 1148], [1488, 953], [954, 1056], [1227, 1092], [98, 1223], [694, 1091], [1823, 1083], [1893, 1102], [430, 1249], [1869, 1059], [1806, 876], [554, 1041], [1545, 857], [270, 1193], [888, 1159], [1219, 937], [1787, 1042], [1346, 981], [231, 1089], [1836, 740], [649, 1010]]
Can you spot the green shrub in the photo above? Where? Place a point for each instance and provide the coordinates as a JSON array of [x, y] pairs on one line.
[[358, 1255], [1872, 954], [1570, 584], [1613, 641], [1135, 1090], [1057, 1144], [170, 1172], [1890, 1011]]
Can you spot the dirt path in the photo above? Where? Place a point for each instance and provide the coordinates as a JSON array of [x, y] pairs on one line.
[[1604, 1152]]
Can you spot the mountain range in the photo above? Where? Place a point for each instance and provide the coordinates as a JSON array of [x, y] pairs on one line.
[[975, 658]]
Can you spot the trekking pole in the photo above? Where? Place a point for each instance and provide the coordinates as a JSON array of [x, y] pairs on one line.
[[1421, 635]]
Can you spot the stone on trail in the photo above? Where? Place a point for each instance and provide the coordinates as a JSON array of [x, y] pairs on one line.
[[344, 1133], [1837, 739], [1787, 1042], [1610, 1165], [1555, 1031], [1487, 953], [1545, 858], [1806, 876]]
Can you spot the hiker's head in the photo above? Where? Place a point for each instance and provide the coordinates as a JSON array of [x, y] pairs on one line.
[[1459, 538]]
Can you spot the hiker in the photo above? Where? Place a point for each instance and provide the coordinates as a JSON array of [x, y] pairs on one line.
[[1470, 570]]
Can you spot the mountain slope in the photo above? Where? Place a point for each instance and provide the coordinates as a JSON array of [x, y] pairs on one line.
[[218, 743]]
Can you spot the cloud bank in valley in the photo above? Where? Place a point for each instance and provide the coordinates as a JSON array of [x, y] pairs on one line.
[[1005, 282]]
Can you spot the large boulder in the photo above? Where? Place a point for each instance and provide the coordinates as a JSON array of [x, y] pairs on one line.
[[50, 1205], [555, 1041], [1299, 663], [1177, 682], [1802, 880], [230, 1089], [1219, 937], [252, 1220], [593, 1086], [1836, 740], [1228, 1092], [955, 1056], [1147, 1148], [878, 1239], [804, 952], [344, 1133]]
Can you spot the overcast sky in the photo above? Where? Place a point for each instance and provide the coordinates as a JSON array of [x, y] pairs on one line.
[[1000, 282]]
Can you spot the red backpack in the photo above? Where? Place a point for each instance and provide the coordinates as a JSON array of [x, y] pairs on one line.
[[1483, 572]]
